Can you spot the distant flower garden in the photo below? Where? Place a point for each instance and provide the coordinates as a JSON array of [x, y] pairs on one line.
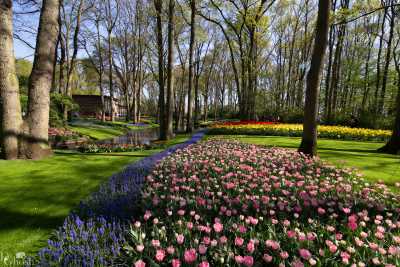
[[225, 203], [276, 129]]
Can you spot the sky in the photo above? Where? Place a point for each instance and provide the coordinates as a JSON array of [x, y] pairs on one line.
[[22, 51], [25, 25]]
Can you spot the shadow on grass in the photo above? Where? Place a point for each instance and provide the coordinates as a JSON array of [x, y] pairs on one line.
[[11, 219], [39, 195], [322, 147], [116, 154]]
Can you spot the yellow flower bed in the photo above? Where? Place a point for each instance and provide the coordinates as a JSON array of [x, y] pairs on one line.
[[333, 132]]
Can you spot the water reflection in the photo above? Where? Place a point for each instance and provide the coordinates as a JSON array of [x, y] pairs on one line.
[[138, 137]]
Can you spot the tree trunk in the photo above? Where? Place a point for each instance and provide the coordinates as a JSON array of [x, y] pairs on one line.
[[110, 77], [378, 63], [309, 140], [28, 139], [170, 70], [74, 55], [189, 123], [332, 39], [333, 92], [196, 94], [40, 82], [393, 146], [9, 90], [329, 73], [101, 70], [387, 63], [61, 78], [160, 48], [366, 75]]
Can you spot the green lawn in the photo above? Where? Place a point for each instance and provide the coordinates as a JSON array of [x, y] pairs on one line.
[[362, 155], [36, 196]]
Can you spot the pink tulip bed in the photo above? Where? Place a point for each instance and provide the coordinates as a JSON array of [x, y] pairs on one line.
[[224, 203]]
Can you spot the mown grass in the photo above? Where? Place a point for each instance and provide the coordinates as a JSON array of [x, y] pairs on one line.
[[36, 196], [361, 155]]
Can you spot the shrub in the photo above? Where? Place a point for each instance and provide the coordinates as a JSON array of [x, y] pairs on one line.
[[57, 102]]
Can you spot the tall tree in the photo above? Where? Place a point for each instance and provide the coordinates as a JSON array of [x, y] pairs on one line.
[[336, 67], [27, 138], [189, 124], [71, 19], [378, 62], [111, 17], [309, 140], [393, 145], [381, 101], [96, 56], [158, 4], [170, 70]]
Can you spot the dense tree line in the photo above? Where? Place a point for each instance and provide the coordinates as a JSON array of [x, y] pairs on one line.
[[183, 61]]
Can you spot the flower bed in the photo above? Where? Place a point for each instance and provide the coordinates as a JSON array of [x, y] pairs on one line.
[[243, 122], [111, 148], [61, 138], [95, 233], [222, 203], [332, 132], [59, 134]]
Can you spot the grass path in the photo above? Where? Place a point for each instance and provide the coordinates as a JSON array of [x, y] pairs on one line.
[[36, 196], [362, 155]]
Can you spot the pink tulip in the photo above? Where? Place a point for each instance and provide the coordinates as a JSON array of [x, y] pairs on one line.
[[190, 256], [176, 263], [139, 248], [250, 247], [140, 263], [204, 264], [160, 255], [267, 258], [239, 241], [239, 259], [180, 239], [305, 254], [171, 250], [218, 227], [248, 261], [202, 249]]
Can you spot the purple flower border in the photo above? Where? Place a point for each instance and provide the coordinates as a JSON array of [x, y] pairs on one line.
[[95, 232]]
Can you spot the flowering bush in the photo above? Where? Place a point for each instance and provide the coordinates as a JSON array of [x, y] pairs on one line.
[[332, 132], [222, 203], [59, 134]]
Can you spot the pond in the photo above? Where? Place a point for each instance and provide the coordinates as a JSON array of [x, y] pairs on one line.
[[136, 137]]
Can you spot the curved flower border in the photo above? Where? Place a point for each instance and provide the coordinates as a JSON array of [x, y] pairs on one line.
[[94, 233]]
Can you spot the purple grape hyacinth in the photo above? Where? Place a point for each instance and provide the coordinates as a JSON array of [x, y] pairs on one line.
[[95, 233]]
